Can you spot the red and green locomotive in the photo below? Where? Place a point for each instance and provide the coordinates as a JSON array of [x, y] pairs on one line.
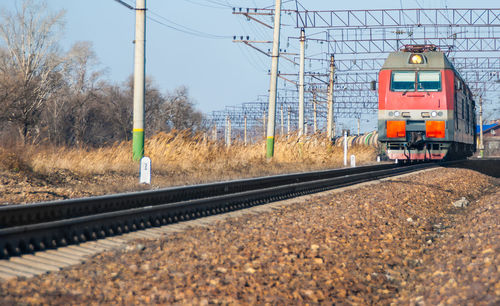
[[426, 111]]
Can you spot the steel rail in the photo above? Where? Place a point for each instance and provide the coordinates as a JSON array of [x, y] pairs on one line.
[[30, 237], [24, 214]]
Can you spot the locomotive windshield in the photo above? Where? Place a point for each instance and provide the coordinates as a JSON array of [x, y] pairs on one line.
[[403, 81], [429, 81], [411, 80]]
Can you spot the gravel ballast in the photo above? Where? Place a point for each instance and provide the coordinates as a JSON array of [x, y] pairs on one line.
[[401, 240]]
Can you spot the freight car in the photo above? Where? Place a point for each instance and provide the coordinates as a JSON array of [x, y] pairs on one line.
[[369, 139], [426, 110]]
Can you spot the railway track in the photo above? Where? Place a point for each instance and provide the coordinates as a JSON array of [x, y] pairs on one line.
[[228, 248], [28, 228], [43, 237]]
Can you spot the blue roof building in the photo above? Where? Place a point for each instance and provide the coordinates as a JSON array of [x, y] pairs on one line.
[[487, 127]]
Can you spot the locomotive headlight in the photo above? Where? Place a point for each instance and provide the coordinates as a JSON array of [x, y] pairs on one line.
[[396, 114], [434, 114], [416, 59]]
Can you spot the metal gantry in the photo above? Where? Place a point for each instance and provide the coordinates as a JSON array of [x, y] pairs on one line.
[[360, 41]]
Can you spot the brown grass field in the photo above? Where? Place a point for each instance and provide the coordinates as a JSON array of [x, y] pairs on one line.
[[177, 159]]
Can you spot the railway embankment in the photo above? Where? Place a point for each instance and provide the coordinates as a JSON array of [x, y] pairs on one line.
[[399, 240]]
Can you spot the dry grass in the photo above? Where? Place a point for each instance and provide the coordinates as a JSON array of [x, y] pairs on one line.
[[178, 158]]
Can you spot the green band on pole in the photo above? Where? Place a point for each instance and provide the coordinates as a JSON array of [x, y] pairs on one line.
[[137, 145], [270, 147]]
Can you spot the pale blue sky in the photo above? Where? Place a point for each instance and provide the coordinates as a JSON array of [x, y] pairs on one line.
[[218, 72]]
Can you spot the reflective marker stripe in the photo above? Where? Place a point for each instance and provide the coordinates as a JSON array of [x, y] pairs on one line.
[[138, 130]]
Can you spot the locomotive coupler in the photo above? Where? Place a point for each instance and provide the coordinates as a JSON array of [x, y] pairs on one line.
[[416, 141]]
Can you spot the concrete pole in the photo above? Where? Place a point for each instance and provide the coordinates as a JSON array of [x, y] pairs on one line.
[[139, 80], [214, 135], [282, 122], [288, 123], [225, 131], [264, 124], [329, 120], [274, 81], [359, 125], [301, 82], [481, 143], [245, 132], [315, 117], [228, 131]]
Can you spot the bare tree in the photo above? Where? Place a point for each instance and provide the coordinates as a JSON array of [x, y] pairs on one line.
[[154, 108], [180, 111], [56, 117], [31, 65], [82, 77], [118, 109]]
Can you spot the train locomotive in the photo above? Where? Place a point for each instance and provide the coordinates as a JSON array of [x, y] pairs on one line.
[[426, 111]]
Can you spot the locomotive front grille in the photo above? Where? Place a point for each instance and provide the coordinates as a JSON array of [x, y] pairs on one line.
[[415, 126]]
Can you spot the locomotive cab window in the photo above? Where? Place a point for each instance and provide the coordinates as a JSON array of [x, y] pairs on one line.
[[429, 81], [403, 81]]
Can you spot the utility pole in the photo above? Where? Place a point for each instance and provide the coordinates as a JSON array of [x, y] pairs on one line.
[[315, 118], [264, 123], [301, 83], [481, 143], [288, 123], [329, 120], [282, 123], [274, 81], [225, 131], [245, 132], [139, 80], [228, 131], [214, 133]]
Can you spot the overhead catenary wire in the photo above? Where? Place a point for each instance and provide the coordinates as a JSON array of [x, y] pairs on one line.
[[251, 59], [256, 60], [159, 19], [216, 4], [178, 27], [125, 4]]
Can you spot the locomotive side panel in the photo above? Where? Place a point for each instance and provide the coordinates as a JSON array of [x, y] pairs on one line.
[[464, 119]]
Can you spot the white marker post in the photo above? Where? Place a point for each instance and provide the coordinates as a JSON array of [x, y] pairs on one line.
[[145, 171], [353, 161], [378, 158]]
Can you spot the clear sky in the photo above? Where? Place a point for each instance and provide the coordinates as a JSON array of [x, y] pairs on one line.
[[217, 71]]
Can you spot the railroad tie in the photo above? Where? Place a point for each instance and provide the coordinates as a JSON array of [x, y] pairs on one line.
[[20, 267], [25, 261]]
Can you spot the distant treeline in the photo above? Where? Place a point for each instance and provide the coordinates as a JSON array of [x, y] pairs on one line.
[[51, 96]]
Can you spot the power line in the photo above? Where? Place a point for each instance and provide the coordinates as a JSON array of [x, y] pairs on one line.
[[220, 5], [184, 29], [173, 25], [125, 4]]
